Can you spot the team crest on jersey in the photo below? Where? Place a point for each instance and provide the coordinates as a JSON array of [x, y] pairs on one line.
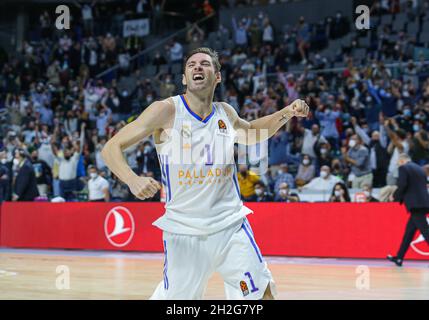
[[222, 126], [244, 288], [186, 131]]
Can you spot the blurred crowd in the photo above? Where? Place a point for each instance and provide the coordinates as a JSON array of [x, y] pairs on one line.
[[56, 115]]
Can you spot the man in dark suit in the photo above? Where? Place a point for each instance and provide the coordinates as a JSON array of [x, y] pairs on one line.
[[25, 183], [413, 192], [5, 176]]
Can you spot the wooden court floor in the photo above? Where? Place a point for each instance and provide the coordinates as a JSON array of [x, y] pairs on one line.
[[48, 274]]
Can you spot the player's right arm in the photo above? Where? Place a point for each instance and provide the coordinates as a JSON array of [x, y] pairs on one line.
[[156, 117]]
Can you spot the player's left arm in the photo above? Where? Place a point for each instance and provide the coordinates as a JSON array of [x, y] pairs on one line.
[[264, 127]]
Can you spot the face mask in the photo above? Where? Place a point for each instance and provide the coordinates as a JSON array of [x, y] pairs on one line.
[[93, 175], [416, 127], [323, 151], [3, 161], [149, 98], [15, 162], [283, 192], [279, 172], [258, 192], [67, 157], [323, 174], [407, 112], [368, 99], [352, 143], [417, 117], [305, 162], [367, 194], [337, 193], [147, 149]]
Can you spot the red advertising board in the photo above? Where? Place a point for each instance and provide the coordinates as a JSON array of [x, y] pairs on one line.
[[349, 230]]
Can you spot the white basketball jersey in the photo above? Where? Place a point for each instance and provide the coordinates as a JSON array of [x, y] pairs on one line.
[[198, 173]]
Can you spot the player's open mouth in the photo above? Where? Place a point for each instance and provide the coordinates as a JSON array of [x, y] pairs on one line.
[[198, 77]]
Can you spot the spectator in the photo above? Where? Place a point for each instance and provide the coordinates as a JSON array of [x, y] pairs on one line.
[[157, 7], [306, 171], [367, 190], [67, 171], [283, 175], [303, 38], [358, 158], [284, 195], [42, 172], [379, 158], [311, 139], [240, 31], [261, 194], [5, 177], [24, 185], [278, 150], [175, 51], [268, 32], [194, 37], [323, 153], [340, 193], [247, 180], [119, 190], [398, 144], [147, 160], [325, 181], [98, 187], [158, 60], [420, 144], [328, 118], [166, 85]]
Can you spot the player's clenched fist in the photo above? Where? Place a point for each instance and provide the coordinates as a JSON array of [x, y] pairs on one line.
[[143, 187], [299, 108]]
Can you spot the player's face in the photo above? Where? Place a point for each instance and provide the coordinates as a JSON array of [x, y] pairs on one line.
[[200, 73]]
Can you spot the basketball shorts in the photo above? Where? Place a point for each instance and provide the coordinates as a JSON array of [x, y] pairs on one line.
[[189, 261]]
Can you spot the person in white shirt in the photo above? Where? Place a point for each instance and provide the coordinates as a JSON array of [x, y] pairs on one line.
[[325, 181], [68, 161], [98, 187], [176, 52], [311, 137], [268, 33], [398, 145]]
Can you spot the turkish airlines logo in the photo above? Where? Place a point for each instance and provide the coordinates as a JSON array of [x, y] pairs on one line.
[[420, 245], [119, 226]]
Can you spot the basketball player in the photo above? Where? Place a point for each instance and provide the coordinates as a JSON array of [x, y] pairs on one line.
[[205, 229]]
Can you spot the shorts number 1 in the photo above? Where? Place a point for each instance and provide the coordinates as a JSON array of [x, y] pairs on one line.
[[254, 289]]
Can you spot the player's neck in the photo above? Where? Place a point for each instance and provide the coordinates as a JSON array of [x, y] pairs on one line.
[[200, 104]]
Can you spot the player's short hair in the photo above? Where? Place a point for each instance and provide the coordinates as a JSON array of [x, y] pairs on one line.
[[404, 157], [212, 53]]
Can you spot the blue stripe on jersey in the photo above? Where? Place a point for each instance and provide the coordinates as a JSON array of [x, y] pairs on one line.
[[164, 177], [234, 179], [168, 176], [246, 222], [252, 241], [196, 116], [166, 284]]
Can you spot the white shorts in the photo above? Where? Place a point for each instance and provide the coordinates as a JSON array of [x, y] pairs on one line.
[[189, 261]]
